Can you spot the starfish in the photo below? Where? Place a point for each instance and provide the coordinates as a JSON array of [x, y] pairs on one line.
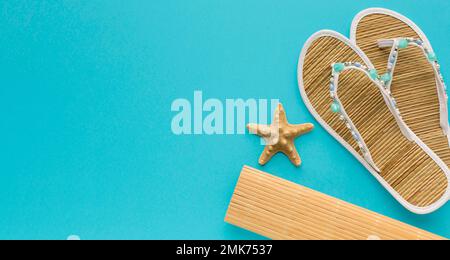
[[279, 137]]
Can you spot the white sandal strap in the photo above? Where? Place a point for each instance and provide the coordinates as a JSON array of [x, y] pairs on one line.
[[337, 106], [401, 43]]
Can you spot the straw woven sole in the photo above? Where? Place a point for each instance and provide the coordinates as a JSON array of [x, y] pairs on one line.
[[407, 171], [414, 84]]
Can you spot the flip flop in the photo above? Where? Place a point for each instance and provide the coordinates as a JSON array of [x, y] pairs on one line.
[[412, 72], [340, 88]]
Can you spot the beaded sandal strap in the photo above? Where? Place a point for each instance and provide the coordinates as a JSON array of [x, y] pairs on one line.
[[402, 43], [338, 108]]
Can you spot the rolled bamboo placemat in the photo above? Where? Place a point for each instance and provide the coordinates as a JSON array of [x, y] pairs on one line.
[[279, 209]]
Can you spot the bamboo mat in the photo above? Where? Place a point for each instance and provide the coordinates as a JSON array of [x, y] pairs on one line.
[[279, 209], [404, 165], [414, 84]]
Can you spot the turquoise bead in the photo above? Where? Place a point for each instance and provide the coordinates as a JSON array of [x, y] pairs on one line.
[[403, 43], [338, 67], [373, 74], [335, 108], [432, 57], [386, 77]]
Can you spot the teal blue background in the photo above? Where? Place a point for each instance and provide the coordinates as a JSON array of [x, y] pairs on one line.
[[85, 94]]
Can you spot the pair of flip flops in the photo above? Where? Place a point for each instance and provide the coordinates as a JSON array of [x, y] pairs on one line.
[[382, 96]]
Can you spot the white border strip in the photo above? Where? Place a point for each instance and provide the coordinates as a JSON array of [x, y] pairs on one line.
[[396, 195]]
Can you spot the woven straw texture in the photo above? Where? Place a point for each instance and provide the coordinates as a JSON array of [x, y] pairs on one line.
[[403, 164], [413, 86]]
